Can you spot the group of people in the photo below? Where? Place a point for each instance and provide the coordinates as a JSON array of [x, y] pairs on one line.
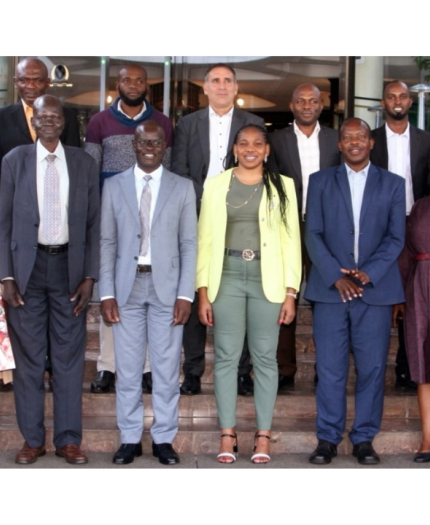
[[267, 206]]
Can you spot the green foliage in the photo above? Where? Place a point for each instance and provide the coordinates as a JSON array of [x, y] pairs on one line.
[[423, 64]]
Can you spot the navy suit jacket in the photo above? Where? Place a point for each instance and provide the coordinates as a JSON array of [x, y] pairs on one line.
[[14, 129], [330, 234], [420, 157], [191, 147], [19, 216], [287, 157]]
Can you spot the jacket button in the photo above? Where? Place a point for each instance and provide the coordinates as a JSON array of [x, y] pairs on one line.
[[135, 258], [138, 235], [36, 225]]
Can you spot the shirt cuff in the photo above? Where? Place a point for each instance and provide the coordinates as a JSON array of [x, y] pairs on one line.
[[107, 297], [186, 298]]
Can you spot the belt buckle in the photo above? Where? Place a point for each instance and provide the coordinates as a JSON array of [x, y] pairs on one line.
[[248, 255]]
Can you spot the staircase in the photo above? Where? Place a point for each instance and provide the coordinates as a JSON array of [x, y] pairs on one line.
[[293, 423]]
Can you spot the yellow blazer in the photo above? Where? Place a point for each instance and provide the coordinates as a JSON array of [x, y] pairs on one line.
[[281, 262]]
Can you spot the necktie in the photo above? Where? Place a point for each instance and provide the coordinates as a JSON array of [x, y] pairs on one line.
[[52, 228], [144, 213], [28, 115]]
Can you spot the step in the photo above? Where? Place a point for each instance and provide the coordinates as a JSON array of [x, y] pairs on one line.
[[201, 435]]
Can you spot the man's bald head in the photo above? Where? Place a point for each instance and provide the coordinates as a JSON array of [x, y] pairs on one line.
[[31, 79]]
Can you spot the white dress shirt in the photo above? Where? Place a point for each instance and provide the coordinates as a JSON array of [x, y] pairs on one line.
[[61, 165], [136, 117], [399, 161], [357, 183], [309, 153], [219, 133]]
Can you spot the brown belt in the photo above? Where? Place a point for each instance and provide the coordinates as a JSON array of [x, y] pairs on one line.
[[144, 268], [422, 257]]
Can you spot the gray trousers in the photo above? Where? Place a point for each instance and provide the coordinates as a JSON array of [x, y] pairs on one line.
[[241, 307], [48, 313], [145, 320]]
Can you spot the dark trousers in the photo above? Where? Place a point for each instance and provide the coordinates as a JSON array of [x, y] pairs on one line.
[[367, 328], [48, 314], [286, 354], [194, 346]]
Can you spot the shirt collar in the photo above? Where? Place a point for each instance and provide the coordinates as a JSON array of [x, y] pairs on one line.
[[25, 106], [213, 113], [140, 174], [315, 132], [351, 172], [42, 152], [128, 116], [390, 132]]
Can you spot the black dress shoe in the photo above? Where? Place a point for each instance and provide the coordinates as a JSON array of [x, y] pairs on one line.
[[126, 453], [422, 457], [191, 385], [245, 385], [103, 383], [147, 383], [165, 453], [285, 382], [365, 453], [5, 387], [324, 453], [404, 382]]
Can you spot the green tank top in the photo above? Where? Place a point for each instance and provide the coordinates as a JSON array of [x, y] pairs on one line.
[[243, 202]]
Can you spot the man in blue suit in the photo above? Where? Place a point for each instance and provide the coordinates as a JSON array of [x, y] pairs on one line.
[[355, 232]]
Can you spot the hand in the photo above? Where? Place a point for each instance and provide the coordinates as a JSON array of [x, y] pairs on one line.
[[358, 274], [288, 310], [109, 311], [83, 294], [182, 311], [348, 289], [11, 294], [205, 308], [398, 313]]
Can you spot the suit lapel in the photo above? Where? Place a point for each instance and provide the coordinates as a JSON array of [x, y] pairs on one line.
[[236, 123], [168, 182], [203, 130], [30, 164], [342, 179], [371, 183], [324, 149], [21, 122], [73, 171], [381, 148], [414, 144], [293, 152], [128, 187]]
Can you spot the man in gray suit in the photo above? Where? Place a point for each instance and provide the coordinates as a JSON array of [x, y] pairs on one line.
[[49, 260], [202, 141], [147, 278]]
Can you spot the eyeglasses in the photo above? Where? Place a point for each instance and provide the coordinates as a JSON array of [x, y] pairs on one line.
[[144, 143], [25, 81]]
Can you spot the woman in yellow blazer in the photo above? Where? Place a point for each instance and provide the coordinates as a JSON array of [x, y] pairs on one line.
[[248, 273]]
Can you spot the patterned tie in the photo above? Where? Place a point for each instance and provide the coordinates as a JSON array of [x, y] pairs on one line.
[[144, 213], [52, 228], [28, 115]]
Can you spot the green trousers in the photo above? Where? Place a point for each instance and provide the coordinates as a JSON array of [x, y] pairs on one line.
[[241, 308]]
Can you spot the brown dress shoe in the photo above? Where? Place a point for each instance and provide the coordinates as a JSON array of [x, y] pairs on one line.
[[28, 455], [72, 454]]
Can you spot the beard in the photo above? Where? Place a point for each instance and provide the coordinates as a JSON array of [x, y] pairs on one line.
[[397, 116], [132, 102]]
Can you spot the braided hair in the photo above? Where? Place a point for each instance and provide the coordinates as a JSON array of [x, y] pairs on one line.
[[271, 173]]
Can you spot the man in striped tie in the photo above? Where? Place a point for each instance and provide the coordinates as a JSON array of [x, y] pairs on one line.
[[49, 260]]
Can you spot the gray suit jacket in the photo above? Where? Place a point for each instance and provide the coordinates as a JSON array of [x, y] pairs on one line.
[[19, 216], [173, 238], [191, 147], [286, 152]]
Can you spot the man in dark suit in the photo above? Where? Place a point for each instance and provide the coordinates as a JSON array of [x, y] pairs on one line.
[[202, 141], [405, 150], [301, 149], [355, 231], [49, 260], [31, 81]]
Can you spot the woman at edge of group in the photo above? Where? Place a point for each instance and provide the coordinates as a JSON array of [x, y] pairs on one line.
[[414, 263], [248, 274]]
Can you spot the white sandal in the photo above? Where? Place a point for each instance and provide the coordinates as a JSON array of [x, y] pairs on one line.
[[260, 454], [231, 455]]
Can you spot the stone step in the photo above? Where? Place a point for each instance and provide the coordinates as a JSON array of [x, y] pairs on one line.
[[298, 402], [201, 435]]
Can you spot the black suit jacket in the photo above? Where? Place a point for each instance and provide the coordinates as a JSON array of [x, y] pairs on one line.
[[14, 129], [286, 151], [19, 216], [420, 157], [191, 149]]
